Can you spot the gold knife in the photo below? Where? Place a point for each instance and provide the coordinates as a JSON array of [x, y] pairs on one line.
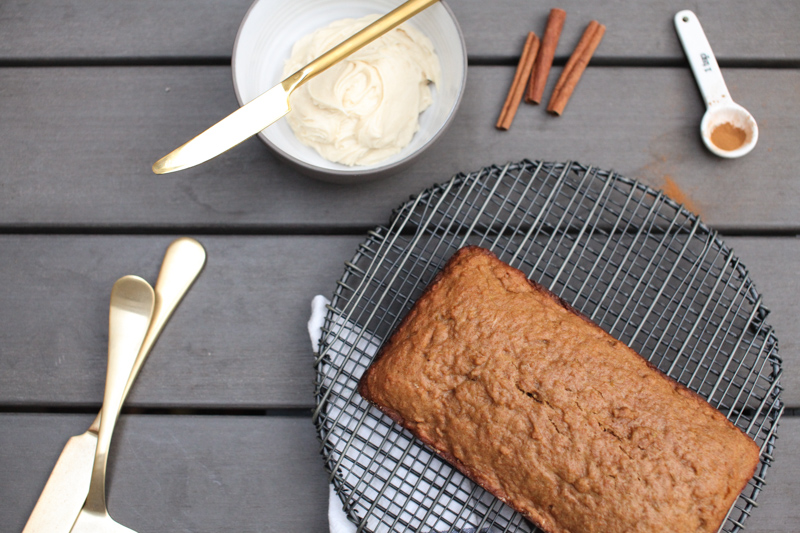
[[66, 489], [273, 104]]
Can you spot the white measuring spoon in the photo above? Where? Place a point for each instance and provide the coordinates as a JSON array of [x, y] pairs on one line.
[[720, 108]]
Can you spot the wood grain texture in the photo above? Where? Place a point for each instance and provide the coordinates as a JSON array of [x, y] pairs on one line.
[[777, 510], [149, 29], [640, 31], [92, 92], [183, 473], [179, 473], [89, 136], [773, 265], [239, 339]]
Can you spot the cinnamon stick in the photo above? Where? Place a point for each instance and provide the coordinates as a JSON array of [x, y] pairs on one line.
[[521, 76], [580, 49], [575, 66], [547, 50]]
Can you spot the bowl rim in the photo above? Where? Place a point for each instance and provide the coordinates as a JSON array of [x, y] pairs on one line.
[[356, 171]]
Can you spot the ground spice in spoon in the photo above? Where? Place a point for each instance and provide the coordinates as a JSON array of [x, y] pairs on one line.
[[728, 137]]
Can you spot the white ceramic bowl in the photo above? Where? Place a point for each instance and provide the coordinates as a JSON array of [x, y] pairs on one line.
[[265, 39]]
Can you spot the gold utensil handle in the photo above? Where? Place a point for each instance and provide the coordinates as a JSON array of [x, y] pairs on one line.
[[183, 262], [384, 24], [132, 301], [274, 104]]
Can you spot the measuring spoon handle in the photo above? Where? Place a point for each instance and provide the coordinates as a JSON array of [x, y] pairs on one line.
[[701, 58]]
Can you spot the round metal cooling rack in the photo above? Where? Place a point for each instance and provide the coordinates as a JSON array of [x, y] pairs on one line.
[[638, 264]]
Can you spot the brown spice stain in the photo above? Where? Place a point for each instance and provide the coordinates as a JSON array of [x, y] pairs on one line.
[[673, 190]]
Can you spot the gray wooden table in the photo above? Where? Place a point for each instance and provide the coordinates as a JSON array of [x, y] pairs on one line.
[[217, 433]]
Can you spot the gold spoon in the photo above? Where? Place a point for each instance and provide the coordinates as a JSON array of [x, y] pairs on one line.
[[66, 489], [132, 301]]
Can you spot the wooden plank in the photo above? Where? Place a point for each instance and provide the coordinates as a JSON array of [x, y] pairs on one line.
[[636, 31], [78, 144], [777, 510], [239, 339], [153, 30], [773, 267], [58, 29], [179, 473]]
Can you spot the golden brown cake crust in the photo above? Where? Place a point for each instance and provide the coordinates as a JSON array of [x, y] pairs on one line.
[[548, 412]]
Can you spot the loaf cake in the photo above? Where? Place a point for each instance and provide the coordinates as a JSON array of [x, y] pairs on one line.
[[548, 412]]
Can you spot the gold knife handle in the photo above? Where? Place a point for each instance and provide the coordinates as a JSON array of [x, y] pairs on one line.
[[384, 24], [182, 263]]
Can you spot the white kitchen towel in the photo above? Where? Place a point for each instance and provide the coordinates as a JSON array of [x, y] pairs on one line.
[[412, 470], [336, 517]]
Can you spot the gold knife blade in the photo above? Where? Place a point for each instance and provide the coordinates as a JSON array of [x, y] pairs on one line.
[[274, 104], [230, 131], [66, 489]]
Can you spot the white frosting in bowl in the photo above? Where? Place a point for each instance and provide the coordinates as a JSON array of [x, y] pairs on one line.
[[365, 108]]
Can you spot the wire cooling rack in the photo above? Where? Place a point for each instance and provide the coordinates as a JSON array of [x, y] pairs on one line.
[[641, 266]]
